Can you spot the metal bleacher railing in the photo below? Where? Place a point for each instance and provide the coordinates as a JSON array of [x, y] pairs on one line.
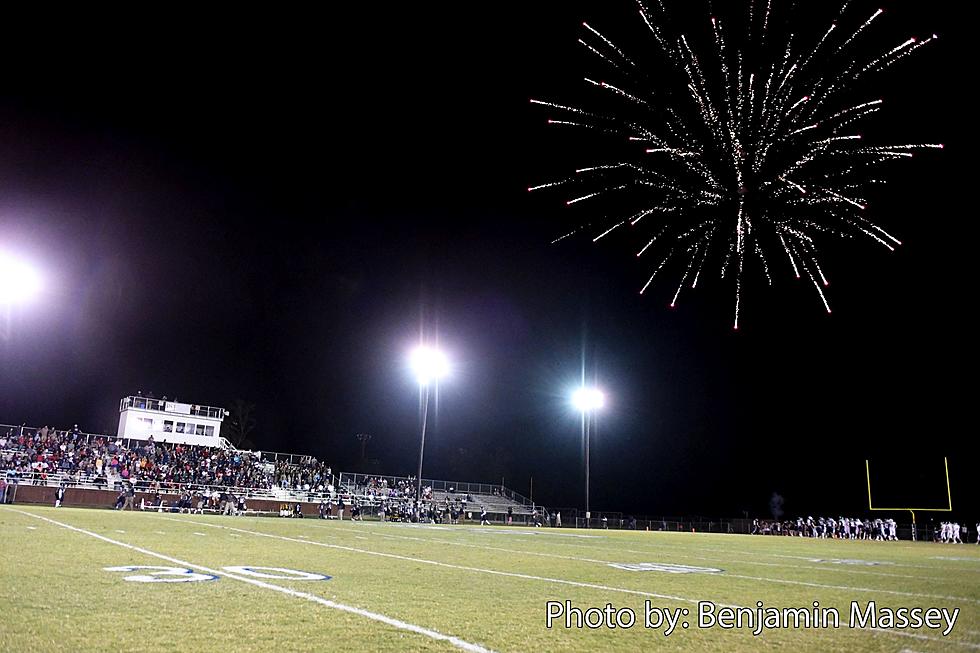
[[496, 498], [107, 480], [349, 479], [10, 430]]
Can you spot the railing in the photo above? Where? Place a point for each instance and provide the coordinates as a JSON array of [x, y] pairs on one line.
[[7, 430], [90, 438], [116, 482], [130, 444], [571, 518], [127, 443], [350, 479], [625, 523], [290, 458], [146, 403]]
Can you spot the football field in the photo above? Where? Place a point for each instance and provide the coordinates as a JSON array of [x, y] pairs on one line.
[[73, 580]]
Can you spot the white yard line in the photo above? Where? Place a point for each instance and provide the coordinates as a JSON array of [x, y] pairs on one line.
[[726, 574], [683, 551], [897, 564], [828, 569], [396, 623], [716, 550], [892, 546], [843, 554], [851, 588], [560, 581], [447, 565]]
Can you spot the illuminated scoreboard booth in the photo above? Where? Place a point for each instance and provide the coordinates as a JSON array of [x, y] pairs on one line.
[[141, 417]]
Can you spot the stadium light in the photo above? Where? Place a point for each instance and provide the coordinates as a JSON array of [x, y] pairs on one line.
[[587, 401], [18, 280], [429, 365]]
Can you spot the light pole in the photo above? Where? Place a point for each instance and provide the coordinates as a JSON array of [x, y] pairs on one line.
[[587, 401], [429, 365], [364, 438]]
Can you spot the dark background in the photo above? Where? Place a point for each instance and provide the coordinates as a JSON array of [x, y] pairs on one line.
[[268, 206]]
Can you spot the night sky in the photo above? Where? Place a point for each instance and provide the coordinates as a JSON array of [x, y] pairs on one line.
[[268, 205]]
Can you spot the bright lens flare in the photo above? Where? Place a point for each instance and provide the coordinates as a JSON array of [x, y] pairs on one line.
[[428, 364], [586, 400], [18, 280]]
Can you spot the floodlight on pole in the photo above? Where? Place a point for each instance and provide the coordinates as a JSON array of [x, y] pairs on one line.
[[18, 280], [429, 365], [587, 401]]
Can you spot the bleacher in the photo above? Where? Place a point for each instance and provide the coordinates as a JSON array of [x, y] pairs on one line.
[[496, 499]]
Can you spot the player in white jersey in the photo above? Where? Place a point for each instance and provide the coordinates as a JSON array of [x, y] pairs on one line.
[[956, 533]]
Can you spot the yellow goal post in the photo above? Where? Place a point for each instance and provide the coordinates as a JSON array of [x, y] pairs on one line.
[[949, 496]]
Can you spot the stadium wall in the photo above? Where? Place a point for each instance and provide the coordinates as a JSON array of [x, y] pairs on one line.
[[91, 498]]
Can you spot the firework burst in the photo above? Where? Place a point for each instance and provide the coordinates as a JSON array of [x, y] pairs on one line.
[[737, 153]]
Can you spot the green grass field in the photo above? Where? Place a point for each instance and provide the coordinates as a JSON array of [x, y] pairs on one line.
[[404, 587]]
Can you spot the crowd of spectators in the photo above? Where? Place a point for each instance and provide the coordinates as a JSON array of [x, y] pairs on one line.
[[309, 475], [32, 456], [207, 478], [404, 488], [378, 486]]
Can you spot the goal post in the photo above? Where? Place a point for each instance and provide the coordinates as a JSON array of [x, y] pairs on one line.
[[947, 508]]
